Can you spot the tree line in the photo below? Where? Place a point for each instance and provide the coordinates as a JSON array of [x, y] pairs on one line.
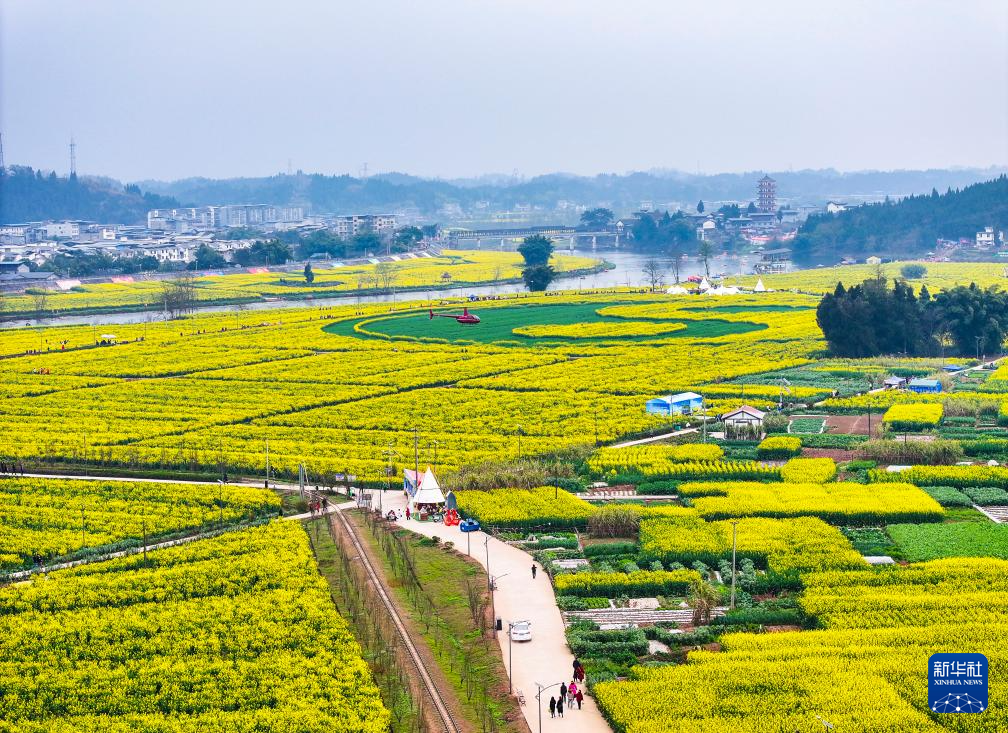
[[871, 319], [910, 226], [27, 194]]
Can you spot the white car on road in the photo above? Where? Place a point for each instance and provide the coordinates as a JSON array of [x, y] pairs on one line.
[[521, 631]]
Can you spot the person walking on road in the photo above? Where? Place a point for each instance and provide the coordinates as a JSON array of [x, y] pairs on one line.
[[579, 697], [552, 707], [572, 691], [533, 571], [563, 693], [560, 707]]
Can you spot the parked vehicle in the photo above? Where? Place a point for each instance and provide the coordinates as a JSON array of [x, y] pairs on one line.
[[521, 631]]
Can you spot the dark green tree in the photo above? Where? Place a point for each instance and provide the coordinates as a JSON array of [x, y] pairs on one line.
[[597, 219], [273, 252], [207, 258], [537, 273], [730, 211], [975, 318], [408, 236], [700, 207], [309, 276]]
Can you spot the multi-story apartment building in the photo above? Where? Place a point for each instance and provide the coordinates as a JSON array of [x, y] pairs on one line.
[[216, 217], [245, 215], [350, 226]]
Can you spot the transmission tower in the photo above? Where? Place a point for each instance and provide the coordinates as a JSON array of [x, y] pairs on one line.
[[73, 157], [2, 167]]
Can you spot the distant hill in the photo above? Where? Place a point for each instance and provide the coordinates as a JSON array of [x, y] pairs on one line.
[[26, 194], [906, 228], [30, 195], [621, 193]]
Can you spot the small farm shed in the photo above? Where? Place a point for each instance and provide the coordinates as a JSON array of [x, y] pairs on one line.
[[924, 385], [743, 421], [895, 382]]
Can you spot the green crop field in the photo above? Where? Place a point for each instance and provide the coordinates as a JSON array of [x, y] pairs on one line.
[[921, 542], [497, 324]]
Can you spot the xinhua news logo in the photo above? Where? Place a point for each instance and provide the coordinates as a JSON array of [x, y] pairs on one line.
[[957, 683]]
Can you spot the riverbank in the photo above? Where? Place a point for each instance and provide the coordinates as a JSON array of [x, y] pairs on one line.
[[14, 318]]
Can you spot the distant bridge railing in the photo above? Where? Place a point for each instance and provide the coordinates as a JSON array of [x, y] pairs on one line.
[[554, 231]]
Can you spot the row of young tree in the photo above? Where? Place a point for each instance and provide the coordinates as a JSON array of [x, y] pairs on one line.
[[872, 319]]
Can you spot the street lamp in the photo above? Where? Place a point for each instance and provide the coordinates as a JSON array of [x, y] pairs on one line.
[[511, 625], [543, 688]]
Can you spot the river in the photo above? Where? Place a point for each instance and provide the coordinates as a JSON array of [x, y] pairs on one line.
[[628, 272]]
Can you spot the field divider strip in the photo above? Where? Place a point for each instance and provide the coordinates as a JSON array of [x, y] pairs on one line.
[[439, 704]]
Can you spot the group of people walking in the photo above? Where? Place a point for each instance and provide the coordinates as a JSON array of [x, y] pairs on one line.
[[569, 693], [14, 469], [319, 506]]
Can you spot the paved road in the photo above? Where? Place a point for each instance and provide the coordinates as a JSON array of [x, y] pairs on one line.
[[546, 659], [655, 438]]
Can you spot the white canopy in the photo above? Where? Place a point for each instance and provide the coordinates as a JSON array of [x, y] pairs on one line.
[[676, 290], [429, 491]]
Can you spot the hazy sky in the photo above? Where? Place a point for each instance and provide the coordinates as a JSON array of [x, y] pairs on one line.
[[155, 89]]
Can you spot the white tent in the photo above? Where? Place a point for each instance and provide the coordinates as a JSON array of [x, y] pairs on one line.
[[429, 491], [704, 285], [721, 290], [676, 290], [760, 288]]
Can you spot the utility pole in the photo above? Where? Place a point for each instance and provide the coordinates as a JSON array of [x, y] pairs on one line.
[[416, 454], [510, 665], [486, 544], [3, 168], [267, 464], [82, 543], [73, 157], [389, 453], [868, 405], [734, 534]]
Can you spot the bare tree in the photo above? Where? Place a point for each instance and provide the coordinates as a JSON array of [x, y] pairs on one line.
[[40, 297], [706, 251], [387, 274], [654, 273], [675, 258], [179, 296]]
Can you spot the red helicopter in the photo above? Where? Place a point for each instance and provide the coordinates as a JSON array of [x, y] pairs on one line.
[[465, 317]]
